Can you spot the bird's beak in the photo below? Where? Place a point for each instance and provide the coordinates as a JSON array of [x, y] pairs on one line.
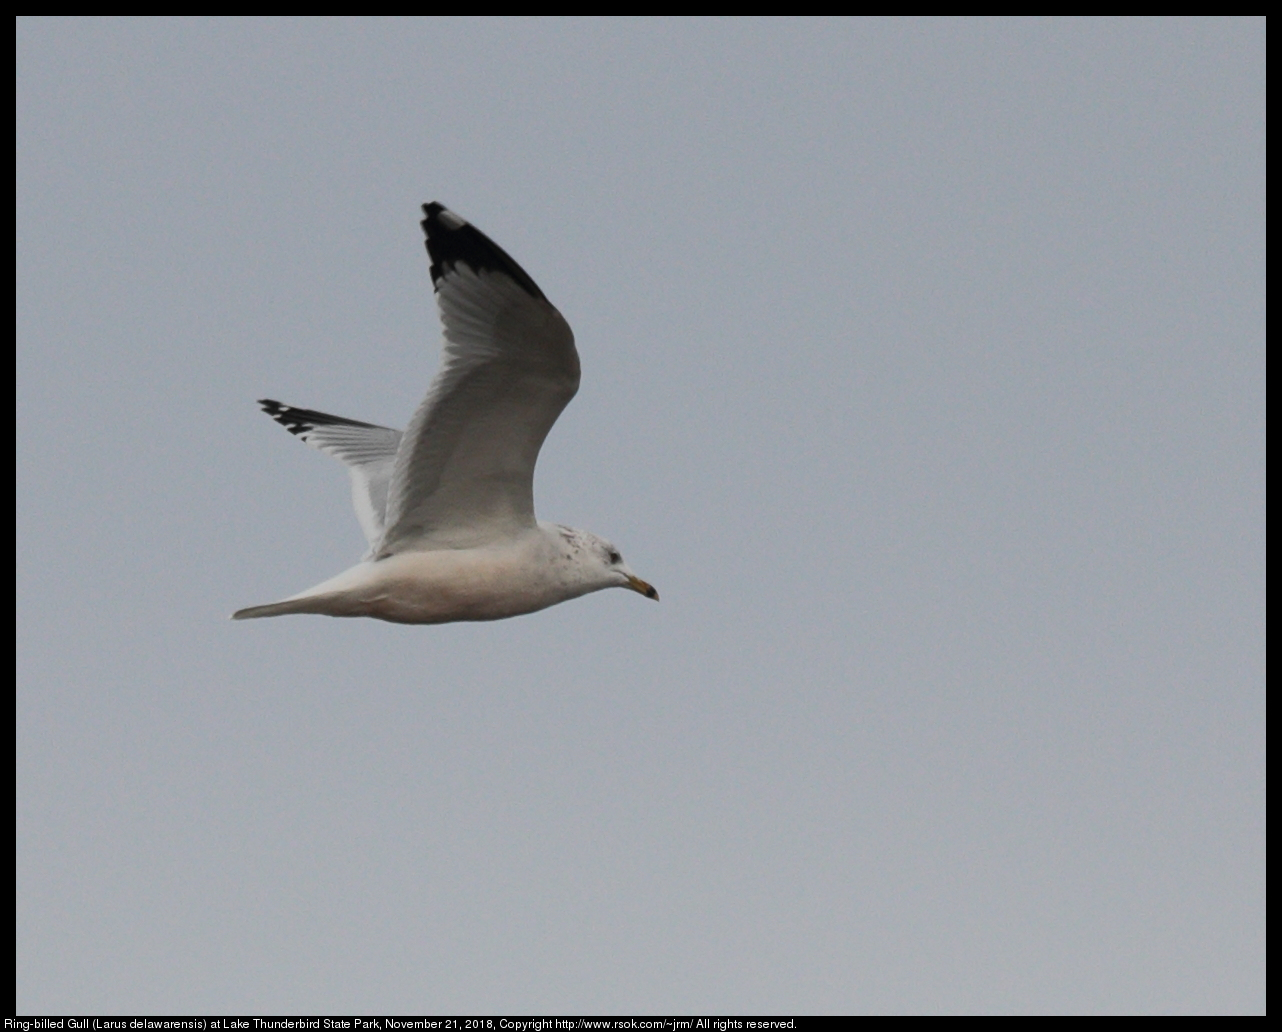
[[637, 584]]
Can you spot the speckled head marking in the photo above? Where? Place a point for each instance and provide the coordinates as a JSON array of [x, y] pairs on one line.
[[588, 550]]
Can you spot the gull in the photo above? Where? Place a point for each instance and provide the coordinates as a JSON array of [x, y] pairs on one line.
[[447, 505]]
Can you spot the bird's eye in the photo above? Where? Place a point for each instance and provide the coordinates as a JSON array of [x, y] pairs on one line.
[[615, 557]]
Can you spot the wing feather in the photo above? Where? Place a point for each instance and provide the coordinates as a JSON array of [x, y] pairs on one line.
[[368, 451], [464, 472]]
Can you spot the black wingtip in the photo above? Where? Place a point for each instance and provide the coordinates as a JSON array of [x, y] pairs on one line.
[[451, 240], [301, 420], [286, 415]]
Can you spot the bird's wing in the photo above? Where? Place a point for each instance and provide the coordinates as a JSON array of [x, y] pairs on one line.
[[464, 473], [368, 452]]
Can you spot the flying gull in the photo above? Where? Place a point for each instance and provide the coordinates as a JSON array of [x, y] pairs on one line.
[[447, 506]]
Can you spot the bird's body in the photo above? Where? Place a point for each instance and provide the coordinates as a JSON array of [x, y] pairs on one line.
[[535, 570], [448, 505]]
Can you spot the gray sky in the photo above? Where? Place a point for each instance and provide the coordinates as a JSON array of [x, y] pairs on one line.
[[923, 374]]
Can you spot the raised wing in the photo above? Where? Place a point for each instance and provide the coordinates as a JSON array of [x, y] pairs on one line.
[[464, 473], [368, 452]]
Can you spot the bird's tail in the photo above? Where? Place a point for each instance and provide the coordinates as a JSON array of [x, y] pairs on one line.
[[314, 604]]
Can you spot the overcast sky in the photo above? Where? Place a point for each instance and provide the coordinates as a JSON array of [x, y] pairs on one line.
[[923, 375]]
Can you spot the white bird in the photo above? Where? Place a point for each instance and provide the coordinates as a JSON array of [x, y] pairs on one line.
[[448, 505]]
